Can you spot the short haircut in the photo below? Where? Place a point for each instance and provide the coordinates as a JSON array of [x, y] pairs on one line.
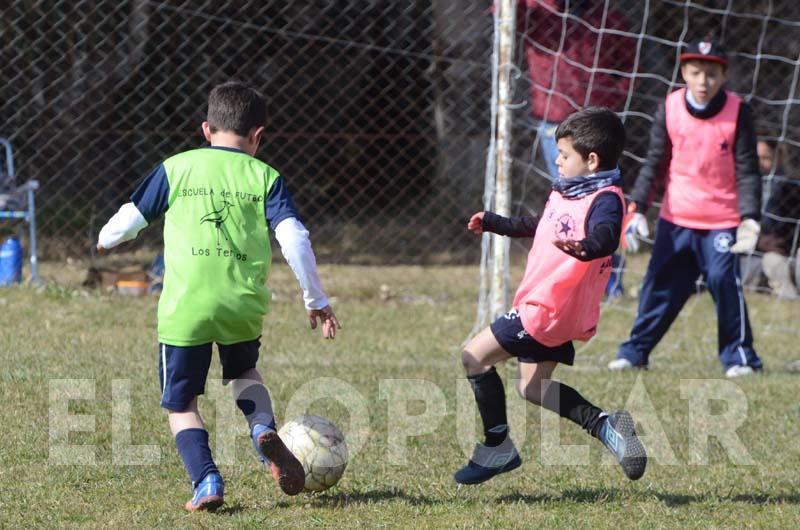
[[595, 130], [236, 107]]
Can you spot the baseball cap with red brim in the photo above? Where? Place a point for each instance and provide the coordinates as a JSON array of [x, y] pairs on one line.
[[705, 50]]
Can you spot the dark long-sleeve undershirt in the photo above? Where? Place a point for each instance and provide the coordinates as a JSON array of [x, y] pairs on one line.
[[603, 226]]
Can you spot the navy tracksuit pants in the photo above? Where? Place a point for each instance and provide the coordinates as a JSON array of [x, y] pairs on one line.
[[679, 256]]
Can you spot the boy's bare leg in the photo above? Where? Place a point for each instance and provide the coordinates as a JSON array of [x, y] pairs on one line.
[[189, 418], [482, 353], [534, 379], [537, 386]]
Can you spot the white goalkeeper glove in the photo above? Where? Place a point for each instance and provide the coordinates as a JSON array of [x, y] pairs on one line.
[[746, 237], [636, 229]]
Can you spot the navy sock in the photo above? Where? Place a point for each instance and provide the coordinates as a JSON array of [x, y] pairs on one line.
[[193, 447], [491, 399], [568, 403]]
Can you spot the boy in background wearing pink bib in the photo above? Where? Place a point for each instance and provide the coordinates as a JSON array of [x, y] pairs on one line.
[[558, 300], [703, 144]]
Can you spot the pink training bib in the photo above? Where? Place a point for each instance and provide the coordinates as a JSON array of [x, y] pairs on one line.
[[559, 296], [700, 190]]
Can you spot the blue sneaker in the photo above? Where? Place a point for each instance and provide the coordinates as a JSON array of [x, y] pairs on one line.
[[619, 436], [208, 494], [486, 462]]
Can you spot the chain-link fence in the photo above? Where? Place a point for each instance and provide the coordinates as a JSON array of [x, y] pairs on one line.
[[379, 111]]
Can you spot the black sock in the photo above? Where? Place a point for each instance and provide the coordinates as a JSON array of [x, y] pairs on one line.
[[568, 403], [491, 399], [193, 447]]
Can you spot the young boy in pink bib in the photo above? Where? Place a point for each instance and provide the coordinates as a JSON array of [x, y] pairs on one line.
[[558, 300]]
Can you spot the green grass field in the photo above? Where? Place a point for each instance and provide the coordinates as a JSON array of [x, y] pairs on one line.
[[400, 323]]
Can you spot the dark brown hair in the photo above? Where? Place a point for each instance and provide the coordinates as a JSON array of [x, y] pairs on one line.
[[236, 107], [595, 130]]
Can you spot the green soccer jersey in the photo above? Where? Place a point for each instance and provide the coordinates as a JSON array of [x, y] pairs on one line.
[[216, 248]]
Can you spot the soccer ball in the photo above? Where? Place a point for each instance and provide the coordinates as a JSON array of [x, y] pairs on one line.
[[319, 446]]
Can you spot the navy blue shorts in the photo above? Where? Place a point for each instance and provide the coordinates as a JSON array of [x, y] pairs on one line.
[[509, 332], [182, 370]]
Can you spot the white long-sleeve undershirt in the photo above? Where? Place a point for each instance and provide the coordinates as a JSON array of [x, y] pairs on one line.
[[123, 226], [292, 237]]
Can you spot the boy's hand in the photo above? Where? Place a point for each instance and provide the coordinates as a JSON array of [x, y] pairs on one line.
[[476, 223], [329, 321], [101, 249], [571, 247]]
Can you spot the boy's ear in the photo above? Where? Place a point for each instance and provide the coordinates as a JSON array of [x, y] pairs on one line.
[[207, 131], [593, 161], [255, 135]]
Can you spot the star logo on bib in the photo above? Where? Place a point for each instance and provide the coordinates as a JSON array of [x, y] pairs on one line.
[[565, 227]]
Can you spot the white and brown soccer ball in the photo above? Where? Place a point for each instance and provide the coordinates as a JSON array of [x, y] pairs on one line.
[[319, 446]]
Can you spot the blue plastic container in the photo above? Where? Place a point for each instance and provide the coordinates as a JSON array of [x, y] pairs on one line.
[[11, 256]]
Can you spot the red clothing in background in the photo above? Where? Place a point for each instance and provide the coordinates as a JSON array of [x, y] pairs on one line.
[[542, 24]]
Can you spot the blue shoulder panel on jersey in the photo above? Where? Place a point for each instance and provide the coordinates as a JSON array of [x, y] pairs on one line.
[[151, 198], [279, 204]]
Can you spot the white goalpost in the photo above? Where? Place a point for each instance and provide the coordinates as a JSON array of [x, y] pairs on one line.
[[494, 294]]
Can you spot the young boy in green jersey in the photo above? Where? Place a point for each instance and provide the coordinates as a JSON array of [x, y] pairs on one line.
[[218, 203]]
